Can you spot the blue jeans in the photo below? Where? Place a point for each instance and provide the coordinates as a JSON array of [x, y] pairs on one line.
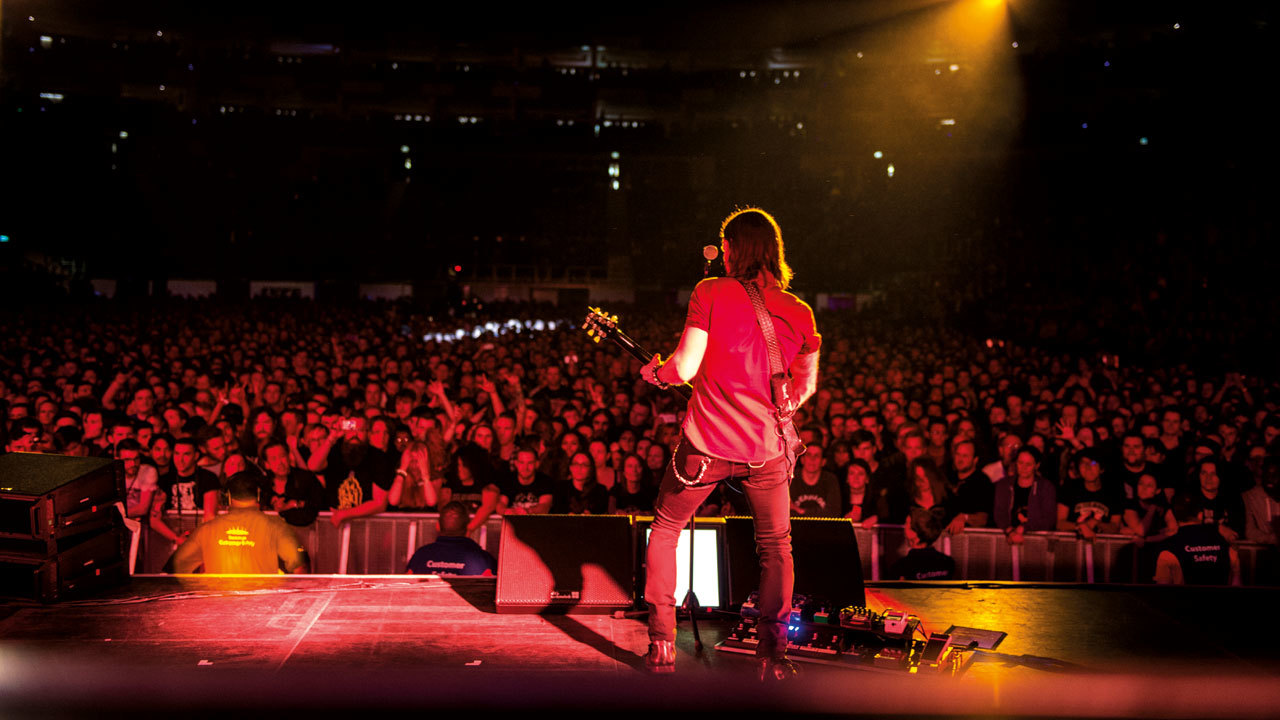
[[768, 490]]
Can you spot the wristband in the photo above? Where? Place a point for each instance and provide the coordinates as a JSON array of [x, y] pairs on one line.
[[658, 381]]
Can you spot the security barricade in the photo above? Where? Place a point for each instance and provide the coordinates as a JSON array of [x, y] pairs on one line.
[[382, 544]]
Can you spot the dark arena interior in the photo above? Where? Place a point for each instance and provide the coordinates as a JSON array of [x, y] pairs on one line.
[[325, 339]]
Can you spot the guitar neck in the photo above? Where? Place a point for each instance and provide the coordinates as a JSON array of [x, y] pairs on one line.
[[625, 342]]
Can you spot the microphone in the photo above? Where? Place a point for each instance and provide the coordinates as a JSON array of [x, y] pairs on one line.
[[710, 252]]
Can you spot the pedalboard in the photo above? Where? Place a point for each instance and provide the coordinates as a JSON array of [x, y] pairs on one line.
[[856, 637]]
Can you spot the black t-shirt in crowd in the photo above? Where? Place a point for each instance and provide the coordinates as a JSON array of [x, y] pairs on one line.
[[470, 494], [525, 496], [1127, 480], [1151, 513], [634, 503], [186, 494], [1021, 498], [1225, 509], [1083, 504], [974, 494], [591, 500], [822, 499], [302, 487], [351, 485]]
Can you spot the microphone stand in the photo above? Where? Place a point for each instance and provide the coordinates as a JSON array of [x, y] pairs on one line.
[[690, 602]]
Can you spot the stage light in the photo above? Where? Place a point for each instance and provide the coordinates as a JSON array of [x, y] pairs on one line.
[[457, 268], [408, 164], [877, 154], [124, 134], [1142, 141], [616, 185], [614, 154], [4, 238], [54, 97], [1177, 26], [954, 67], [46, 42], [890, 169], [404, 149]]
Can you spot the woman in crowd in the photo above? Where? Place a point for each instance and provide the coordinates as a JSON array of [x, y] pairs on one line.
[[1026, 501], [581, 495], [413, 489], [605, 474], [636, 493]]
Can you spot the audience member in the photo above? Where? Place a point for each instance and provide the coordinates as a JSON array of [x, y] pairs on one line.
[[815, 491], [414, 489], [637, 491], [292, 492], [1026, 501]]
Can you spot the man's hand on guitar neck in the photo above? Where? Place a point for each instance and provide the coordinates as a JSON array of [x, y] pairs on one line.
[[649, 373]]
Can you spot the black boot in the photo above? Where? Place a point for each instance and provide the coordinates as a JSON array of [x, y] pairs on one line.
[[661, 657], [775, 669]]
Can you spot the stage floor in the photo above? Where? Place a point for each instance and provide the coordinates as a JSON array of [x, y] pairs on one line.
[[332, 644]]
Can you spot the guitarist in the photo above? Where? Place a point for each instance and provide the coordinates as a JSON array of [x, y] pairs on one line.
[[734, 429]]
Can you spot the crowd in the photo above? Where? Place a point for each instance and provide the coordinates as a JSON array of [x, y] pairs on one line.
[[372, 408]]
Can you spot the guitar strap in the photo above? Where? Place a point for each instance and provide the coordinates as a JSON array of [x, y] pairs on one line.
[[783, 397]]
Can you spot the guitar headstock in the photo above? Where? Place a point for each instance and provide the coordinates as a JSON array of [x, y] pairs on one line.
[[600, 324]]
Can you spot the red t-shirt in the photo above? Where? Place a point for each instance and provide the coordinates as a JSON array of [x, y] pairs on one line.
[[731, 413]]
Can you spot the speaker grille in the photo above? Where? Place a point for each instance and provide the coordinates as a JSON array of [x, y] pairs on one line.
[[565, 563]]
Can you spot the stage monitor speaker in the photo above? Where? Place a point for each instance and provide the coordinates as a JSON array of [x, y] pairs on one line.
[[824, 552], [565, 564], [46, 498], [86, 563]]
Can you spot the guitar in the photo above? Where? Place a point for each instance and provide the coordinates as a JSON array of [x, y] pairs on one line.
[[600, 324]]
